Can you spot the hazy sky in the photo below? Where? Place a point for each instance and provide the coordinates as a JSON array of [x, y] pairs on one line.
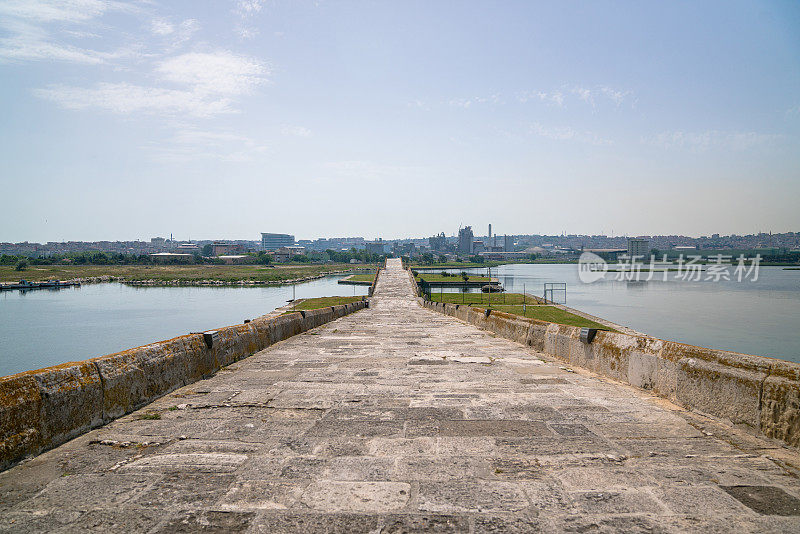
[[212, 119]]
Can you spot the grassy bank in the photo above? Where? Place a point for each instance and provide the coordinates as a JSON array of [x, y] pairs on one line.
[[513, 303], [323, 302], [430, 277], [483, 298], [362, 277], [166, 273]]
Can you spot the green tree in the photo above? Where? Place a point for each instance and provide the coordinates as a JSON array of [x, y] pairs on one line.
[[21, 265], [208, 250]]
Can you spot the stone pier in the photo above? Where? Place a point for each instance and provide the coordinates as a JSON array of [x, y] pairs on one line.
[[400, 419]]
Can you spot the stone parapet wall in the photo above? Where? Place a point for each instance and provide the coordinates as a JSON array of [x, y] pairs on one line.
[[762, 393], [42, 409], [374, 283]]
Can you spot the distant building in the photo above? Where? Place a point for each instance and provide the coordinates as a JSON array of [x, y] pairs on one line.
[[508, 243], [438, 242], [284, 254], [478, 247], [187, 247], [465, 240], [638, 247], [233, 259], [403, 249], [218, 248], [336, 243], [376, 247], [276, 241]]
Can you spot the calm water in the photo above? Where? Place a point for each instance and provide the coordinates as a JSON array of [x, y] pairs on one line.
[[48, 327], [761, 317]]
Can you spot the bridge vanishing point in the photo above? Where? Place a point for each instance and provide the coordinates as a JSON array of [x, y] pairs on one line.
[[400, 419]]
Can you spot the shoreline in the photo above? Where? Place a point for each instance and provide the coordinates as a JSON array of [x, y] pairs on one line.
[[202, 283]]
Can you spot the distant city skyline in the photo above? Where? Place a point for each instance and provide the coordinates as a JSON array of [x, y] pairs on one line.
[[132, 118], [366, 238]]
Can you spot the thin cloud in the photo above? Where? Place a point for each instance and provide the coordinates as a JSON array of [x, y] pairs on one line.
[[58, 11], [556, 97], [24, 48], [586, 95], [247, 9], [176, 33], [566, 133], [297, 131], [614, 95], [162, 27], [214, 73], [469, 102], [594, 95], [553, 97], [209, 81], [125, 98], [26, 23], [710, 140], [189, 144]]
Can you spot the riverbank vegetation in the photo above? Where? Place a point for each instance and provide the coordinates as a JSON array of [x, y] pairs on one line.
[[195, 258], [180, 273], [518, 304]]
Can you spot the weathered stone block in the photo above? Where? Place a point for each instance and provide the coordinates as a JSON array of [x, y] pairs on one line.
[[340, 496], [642, 369], [20, 417], [728, 392], [137, 376], [536, 335], [780, 403], [72, 401], [666, 383]]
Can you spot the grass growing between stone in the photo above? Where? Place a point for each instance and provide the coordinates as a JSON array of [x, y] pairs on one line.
[[513, 303], [323, 302]]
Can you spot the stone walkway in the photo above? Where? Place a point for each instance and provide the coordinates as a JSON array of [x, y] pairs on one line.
[[398, 419]]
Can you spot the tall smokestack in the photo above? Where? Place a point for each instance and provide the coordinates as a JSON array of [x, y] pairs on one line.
[[490, 232]]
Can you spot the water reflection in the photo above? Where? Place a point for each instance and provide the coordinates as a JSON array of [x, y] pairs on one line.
[[760, 317], [47, 327]]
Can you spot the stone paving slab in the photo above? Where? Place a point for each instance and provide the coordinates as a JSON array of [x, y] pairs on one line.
[[399, 419]]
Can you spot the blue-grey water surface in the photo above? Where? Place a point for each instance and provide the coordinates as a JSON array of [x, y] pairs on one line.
[[761, 317], [41, 328]]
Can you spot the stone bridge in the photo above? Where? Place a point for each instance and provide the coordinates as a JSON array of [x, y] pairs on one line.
[[398, 419]]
